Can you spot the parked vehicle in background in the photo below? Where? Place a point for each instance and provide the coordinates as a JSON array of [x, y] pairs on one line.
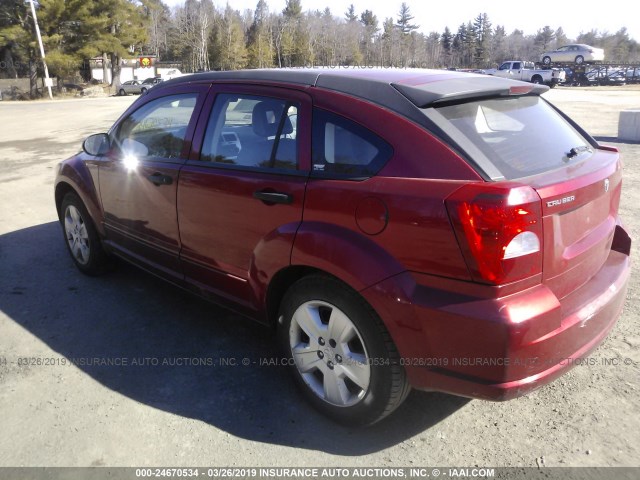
[[632, 74], [149, 83], [430, 229], [602, 74], [130, 86], [137, 86], [173, 73], [527, 72], [575, 53]]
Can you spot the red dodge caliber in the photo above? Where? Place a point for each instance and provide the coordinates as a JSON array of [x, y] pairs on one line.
[[399, 228]]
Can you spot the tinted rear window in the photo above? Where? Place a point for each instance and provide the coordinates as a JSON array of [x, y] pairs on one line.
[[343, 149], [519, 136]]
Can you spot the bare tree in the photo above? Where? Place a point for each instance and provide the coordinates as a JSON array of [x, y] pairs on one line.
[[194, 23]]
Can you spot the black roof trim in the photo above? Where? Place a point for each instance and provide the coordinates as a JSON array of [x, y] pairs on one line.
[[299, 77], [423, 88], [372, 90], [463, 88]]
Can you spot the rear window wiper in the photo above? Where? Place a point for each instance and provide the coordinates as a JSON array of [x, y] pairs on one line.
[[575, 151]]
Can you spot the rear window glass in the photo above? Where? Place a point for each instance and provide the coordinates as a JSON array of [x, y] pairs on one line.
[[520, 136]]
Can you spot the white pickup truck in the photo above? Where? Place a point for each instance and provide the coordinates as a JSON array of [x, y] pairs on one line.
[[527, 72]]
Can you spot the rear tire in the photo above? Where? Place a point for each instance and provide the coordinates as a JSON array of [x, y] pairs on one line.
[[81, 237], [537, 79], [340, 353], [143, 90]]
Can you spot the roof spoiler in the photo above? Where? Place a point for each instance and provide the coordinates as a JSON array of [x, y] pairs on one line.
[[460, 89]]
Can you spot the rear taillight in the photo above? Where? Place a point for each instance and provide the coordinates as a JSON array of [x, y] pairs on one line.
[[499, 229]]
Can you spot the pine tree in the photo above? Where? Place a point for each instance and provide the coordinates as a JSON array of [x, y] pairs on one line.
[[544, 38], [350, 14], [292, 9], [119, 30], [260, 40], [229, 52], [17, 34], [482, 27], [446, 39], [498, 45], [370, 23], [404, 20], [561, 38]]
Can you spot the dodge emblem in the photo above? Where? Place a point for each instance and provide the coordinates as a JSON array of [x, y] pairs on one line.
[[606, 185]]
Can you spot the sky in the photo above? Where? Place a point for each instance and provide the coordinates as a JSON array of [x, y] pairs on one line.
[[527, 15]]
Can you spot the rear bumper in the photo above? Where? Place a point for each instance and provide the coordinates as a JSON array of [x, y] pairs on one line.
[[497, 348]]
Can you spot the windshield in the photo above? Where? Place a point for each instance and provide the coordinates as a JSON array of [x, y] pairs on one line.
[[518, 136]]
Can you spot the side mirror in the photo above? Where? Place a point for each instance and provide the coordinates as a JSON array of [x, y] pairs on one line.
[[96, 145]]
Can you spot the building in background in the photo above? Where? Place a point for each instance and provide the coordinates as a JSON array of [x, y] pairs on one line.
[[138, 68]]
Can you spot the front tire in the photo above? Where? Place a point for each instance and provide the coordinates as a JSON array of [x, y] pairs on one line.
[[122, 92], [340, 353], [81, 237]]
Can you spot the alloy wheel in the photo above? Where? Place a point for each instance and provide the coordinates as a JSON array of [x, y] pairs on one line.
[[77, 235], [329, 353]]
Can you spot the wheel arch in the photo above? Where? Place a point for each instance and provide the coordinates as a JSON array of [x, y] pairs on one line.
[[353, 257], [61, 190], [77, 179], [280, 283], [349, 257]]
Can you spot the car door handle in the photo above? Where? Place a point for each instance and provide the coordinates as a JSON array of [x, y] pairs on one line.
[[273, 197], [159, 179]]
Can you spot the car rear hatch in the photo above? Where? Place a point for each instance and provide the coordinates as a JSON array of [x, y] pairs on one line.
[[579, 208], [521, 144]]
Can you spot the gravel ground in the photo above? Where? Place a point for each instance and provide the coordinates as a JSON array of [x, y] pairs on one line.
[[188, 414]]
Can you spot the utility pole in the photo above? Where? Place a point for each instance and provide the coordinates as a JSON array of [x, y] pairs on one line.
[[47, 80]]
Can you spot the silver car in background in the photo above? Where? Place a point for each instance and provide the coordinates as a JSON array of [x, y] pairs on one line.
[[130, 86], [136, 86], [574, 53]]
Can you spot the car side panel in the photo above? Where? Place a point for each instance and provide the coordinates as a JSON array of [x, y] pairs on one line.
[[140, 217], [400, 218], [232, 242], [417, 153], [139, 213], [222, 227]]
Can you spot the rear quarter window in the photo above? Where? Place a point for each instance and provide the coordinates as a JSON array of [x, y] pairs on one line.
[[345, 149]]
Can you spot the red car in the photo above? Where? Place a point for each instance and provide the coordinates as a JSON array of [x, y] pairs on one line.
[[399, 228]]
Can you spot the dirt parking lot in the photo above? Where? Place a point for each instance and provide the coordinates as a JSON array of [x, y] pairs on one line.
[[189, 413]]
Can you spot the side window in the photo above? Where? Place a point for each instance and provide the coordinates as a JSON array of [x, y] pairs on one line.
[[252, 131], [505, 66], [343, 149], [158, 128], [516, 66]]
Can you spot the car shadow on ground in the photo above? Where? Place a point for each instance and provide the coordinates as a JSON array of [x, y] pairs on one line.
[[174, 344]]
